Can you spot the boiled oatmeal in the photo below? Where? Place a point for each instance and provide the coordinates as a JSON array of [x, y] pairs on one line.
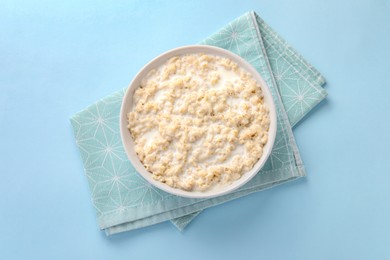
[[198, 122]]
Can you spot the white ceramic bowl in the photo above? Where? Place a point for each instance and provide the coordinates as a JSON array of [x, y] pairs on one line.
[[127, 105]]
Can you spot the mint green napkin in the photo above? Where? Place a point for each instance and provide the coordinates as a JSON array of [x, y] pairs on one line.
[[125, 201]]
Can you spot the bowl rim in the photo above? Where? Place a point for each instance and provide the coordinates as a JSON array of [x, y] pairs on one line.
[[127, 140]]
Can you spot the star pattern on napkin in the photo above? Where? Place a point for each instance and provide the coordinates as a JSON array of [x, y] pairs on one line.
[[117, 188]]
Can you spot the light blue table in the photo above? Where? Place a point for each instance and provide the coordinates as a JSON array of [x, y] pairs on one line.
[[57, 58]]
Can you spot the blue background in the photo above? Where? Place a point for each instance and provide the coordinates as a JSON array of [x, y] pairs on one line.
[[57, 57]]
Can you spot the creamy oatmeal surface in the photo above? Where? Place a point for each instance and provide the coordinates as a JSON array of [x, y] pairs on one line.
[[198, 122]]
